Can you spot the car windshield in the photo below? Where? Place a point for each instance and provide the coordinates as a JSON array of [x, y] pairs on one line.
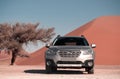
[[71, 41]]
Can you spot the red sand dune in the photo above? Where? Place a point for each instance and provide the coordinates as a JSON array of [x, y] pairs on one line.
[[36, 58], [4, 58], [103, 31]]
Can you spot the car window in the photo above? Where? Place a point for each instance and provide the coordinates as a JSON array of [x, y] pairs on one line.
[[71, 41]]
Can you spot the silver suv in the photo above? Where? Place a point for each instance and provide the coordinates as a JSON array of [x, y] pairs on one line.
[[70, 52]]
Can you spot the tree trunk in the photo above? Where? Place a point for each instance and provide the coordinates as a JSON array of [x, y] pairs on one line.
[[14, 55]]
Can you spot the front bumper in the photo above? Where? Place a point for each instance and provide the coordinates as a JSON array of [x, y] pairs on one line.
[[70, 64], [81, 61]]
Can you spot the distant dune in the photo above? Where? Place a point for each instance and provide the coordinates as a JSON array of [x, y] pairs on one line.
[[36, 58], [103, 31], [4, 58]]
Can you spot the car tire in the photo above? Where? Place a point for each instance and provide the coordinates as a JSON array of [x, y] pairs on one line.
[[90, 70], [54, 69], [48, 69]]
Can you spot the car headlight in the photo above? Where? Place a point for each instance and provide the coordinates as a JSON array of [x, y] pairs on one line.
[[86, 52], [51, 52]]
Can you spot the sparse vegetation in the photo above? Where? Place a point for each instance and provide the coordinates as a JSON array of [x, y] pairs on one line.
[[12, 37]]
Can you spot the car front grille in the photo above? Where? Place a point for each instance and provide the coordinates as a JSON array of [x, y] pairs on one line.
[[69, 53]]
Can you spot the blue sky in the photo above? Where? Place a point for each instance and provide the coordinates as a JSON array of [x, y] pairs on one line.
[[64, 15]]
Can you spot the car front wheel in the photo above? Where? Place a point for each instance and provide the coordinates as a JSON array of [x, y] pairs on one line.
[[90, 70]]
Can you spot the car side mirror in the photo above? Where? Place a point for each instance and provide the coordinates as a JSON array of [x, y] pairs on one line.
[[47, 45], [93, 45]]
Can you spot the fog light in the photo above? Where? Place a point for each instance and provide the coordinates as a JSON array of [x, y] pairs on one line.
[[48, 63], [90, 63]]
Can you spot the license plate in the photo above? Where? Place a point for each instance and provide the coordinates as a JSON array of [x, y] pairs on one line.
[[69, 65]]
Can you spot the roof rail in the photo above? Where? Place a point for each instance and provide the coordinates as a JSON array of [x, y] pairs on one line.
[[58, 36], [82, 36]]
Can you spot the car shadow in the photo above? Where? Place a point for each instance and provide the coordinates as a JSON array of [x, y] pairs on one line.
[[42, 71]]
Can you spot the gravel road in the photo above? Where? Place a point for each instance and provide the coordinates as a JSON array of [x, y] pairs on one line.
[[38, 72]]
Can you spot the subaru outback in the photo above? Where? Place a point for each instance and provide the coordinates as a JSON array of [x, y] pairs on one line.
[[70, 52]]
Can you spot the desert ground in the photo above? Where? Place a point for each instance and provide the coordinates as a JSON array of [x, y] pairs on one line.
[[38, 72]]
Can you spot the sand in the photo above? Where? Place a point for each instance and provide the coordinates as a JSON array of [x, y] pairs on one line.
[[38, 72]]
